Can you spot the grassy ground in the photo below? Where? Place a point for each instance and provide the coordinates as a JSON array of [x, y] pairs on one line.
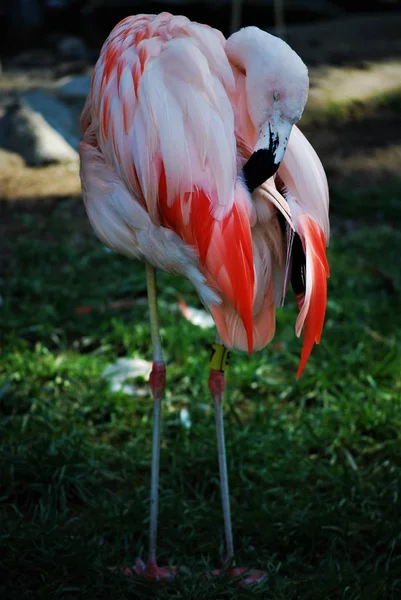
[[314, 465]]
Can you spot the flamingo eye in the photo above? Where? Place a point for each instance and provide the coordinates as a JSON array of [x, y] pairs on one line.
[[276, 96]]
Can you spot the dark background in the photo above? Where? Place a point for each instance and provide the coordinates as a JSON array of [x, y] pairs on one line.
[[29, 22]]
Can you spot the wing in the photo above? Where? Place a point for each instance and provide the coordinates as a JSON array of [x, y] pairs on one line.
[[161, 106], [306, 191], [124, 224], [164, 122]]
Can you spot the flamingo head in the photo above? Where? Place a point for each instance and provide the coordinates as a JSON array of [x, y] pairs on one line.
[[277, 85]]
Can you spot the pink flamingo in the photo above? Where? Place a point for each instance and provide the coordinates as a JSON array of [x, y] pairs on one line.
[[191, 161]]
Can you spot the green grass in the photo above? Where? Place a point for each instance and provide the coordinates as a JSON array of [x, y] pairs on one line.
[[315, 465]]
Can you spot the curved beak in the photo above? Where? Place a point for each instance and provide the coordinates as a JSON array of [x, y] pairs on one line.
[[268, 154]]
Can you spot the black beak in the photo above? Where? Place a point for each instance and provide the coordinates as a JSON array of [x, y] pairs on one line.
[[260, 167], [269, 152]]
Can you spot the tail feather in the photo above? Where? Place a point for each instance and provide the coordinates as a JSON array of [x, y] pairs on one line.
[[313, 302], [303, 183]]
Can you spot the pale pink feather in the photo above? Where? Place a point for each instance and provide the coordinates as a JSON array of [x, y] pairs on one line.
[[167, 125], [160, 119]]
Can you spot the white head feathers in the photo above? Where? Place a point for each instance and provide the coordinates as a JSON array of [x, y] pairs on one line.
[[276, 77]]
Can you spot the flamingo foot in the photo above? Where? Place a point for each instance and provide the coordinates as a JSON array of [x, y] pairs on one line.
[[150, 570], [246, 577]]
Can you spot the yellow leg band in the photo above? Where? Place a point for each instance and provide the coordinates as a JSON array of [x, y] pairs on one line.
[[219, 357]]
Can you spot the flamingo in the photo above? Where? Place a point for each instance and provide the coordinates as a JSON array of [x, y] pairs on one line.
[[191, 161]]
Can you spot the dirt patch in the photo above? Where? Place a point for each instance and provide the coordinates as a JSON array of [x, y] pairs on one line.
[[30, 185], [333, 88]]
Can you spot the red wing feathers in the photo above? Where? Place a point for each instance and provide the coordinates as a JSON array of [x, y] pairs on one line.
[[224, 246], [313, 303]]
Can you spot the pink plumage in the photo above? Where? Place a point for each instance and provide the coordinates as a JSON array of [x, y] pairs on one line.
[[174, 114]]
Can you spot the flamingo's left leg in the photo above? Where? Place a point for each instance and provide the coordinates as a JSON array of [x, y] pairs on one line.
[[218, 364], [157, 383], [217, 384]]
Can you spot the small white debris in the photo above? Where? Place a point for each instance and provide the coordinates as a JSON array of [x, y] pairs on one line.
[[185, 418], [127, 368], [196, 316], [72, 47]]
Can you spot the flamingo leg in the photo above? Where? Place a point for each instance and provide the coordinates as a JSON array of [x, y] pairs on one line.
[[157, 382], [225, 493], [218, 364]]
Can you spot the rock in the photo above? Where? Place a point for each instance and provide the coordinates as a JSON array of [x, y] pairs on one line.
[[70, 68], [72, 48], [59, 116], [74, 88], [24, 131]]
